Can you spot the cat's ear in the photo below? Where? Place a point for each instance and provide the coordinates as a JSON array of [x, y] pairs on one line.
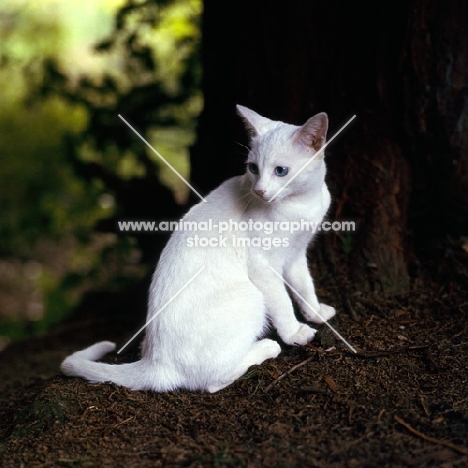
[[254, 123], [314, 132]]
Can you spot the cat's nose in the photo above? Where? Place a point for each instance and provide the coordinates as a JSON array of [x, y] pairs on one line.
[[259, 192]]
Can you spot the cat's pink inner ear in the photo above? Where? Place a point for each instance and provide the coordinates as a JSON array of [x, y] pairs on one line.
[[314, 132], [254, 123]]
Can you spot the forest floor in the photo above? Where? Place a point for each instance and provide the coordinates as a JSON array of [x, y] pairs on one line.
[[401, 401]]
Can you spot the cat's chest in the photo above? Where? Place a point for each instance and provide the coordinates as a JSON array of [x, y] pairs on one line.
[[298, 220]]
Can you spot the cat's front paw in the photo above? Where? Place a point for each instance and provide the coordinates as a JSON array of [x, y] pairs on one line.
[[325, 313], [302, 336]]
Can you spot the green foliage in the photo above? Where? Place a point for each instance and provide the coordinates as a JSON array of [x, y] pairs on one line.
[[39, 195], [59, 128], [156, 87]]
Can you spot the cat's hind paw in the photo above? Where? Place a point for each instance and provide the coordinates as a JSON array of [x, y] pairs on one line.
[[302, 336], [269, 349]]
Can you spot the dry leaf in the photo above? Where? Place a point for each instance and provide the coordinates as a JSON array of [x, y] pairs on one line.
[[331, 383]]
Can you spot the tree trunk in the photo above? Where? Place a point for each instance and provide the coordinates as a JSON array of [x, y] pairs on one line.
[[435, 80], [400, 67]]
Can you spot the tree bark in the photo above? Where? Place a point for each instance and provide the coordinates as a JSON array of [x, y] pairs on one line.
[[435, 79], [400, 67]]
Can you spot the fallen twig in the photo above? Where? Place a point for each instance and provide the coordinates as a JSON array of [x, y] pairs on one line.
[[414, 431], [389, 352], [311, 346], [282, 376], [423, 403], [351, 310]]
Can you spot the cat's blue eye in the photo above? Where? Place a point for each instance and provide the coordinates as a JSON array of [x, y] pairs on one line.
[[253, 168], [281, 171]]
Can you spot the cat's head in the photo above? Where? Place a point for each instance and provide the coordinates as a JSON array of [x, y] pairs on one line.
[[279, 152]]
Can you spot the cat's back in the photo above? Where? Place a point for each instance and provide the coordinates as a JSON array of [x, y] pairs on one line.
[[204, 233], [228, 201], [203, 243]]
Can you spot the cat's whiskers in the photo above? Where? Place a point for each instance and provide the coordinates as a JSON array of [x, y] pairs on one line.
[[247, 197], [243, 151], [243, 146]]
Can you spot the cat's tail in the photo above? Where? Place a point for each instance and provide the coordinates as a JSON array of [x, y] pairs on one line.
[[82, 364]]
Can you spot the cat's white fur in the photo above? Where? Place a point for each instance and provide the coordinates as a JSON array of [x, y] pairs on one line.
[[211, 333]]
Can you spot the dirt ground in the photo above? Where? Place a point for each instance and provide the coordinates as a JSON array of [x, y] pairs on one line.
[[401, 401]]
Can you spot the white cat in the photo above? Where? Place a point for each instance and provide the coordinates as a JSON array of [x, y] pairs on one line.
[[211, 332]]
